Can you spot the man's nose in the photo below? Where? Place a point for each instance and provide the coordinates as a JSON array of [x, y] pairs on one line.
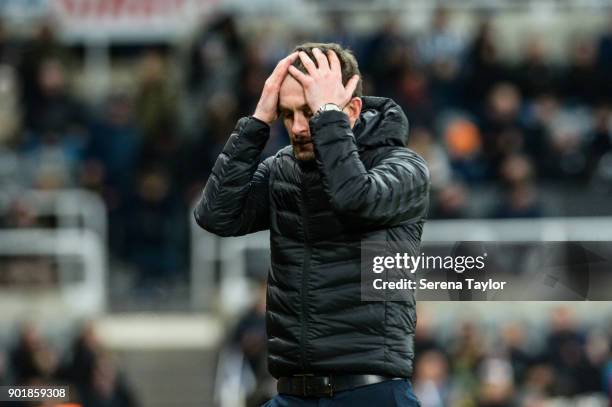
[[300, 125]]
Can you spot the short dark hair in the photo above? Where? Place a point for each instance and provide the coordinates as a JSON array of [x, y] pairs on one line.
[[348, 62]]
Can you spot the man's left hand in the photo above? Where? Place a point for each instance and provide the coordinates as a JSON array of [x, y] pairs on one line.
[[323, 84]]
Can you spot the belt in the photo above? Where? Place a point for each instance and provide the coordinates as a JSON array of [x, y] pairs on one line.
[[325, 386]]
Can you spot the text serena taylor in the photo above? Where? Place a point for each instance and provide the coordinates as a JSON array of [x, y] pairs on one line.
[[424, 284]]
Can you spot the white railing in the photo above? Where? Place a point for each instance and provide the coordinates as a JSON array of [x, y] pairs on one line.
[[73, 208], [79, 235], [541, 229], [80, 295]]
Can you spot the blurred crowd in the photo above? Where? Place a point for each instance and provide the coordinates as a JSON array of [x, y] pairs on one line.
[[90, 370], [479, 119], [514, 364], [467, 363], [148, 148]]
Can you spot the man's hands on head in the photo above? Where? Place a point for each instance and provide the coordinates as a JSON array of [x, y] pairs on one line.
[[323, 84], [267, 107]]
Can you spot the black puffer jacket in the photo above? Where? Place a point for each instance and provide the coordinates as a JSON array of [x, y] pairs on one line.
[[364, 185]]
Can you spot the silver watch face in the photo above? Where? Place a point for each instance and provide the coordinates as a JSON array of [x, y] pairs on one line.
[[330, 106]]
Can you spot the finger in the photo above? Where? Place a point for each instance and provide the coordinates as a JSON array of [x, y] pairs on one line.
[[307, 62], [291, 58], [280, 65], [334, 62], [280, 71], [321, 59], [351, 85], [285, 65], [300, 76]]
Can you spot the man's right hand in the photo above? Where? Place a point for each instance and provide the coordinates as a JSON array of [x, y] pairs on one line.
[[267, 107]]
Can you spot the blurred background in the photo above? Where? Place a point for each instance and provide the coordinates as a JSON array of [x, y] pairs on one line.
[[112, 113]]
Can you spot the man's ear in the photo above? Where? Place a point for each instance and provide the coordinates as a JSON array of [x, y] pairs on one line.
[[353, 109]]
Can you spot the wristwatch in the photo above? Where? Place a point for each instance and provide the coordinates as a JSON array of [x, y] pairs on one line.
[[327, 107]]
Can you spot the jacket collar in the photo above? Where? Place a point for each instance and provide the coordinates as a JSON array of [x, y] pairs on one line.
[[381, 123]]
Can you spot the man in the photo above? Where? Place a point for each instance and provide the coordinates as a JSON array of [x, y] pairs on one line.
[[346, 177]]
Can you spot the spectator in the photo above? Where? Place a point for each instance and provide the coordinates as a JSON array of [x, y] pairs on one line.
[[496, 382], [43, 47], [411, 91], [32, 358], [483, 67], [252, 78], [9, 51], [112, 151], [3, 369], [604, 58], [10, 110], [55, 110], [467, 352], [385, 57], [604, 51], [85, 350], [108, 388], [565, 157], [217, 124], [422, 141], [566, 353], [502, 129], [513, 336], [216, 57], [607, 378], [538, 122], [538, 384], [463, 142], [440, 44], [599, 138], [53, 150], [597, 350], [441, 51], [155, 232], [583, 82], [431, 379], [451, 202], [535, 75], [156, 103], [110, 162], [449, 196], [520, 196]]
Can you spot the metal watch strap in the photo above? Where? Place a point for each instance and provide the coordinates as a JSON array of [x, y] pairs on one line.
[[327, 107]]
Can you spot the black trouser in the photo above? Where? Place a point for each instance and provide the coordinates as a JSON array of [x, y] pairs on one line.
[[390, 393]]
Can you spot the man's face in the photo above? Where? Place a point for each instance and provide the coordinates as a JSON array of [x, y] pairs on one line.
[[295, 114]]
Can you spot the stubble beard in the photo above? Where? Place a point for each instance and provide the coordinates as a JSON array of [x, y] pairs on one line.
[[304, 155]]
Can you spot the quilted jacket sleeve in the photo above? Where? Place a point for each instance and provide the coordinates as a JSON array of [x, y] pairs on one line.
[[235, 199], [394, 191]]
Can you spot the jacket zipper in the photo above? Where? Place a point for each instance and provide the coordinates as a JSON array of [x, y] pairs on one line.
[[305, 270]]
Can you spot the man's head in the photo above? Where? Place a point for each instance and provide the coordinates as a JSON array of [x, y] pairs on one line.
[[293, 108]]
